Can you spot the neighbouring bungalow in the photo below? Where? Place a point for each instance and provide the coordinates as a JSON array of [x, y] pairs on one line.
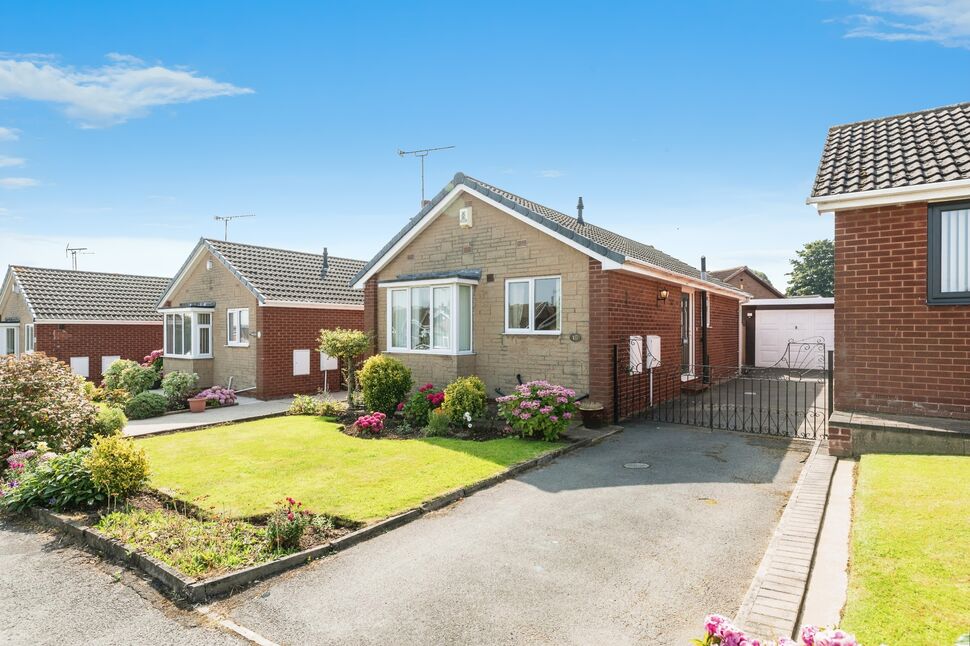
[[748, 281], [86, 319], [484, 282], [248, 317], [899, 189]]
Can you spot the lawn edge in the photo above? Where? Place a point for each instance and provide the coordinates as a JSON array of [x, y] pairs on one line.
[[202, 591]]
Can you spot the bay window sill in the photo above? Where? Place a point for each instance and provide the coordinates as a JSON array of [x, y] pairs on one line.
[[186, 356], [437, 353]]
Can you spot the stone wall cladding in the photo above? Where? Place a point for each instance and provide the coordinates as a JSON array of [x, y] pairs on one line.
[[285, 329], [219, 285], [93, 340], [503, 247], [893, 352]]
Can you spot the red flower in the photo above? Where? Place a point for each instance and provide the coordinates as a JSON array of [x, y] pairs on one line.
[[290, 516], [400, 406], [425, 388], [290, 500]]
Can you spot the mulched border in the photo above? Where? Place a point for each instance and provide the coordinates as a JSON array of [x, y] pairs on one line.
[[202, 590]]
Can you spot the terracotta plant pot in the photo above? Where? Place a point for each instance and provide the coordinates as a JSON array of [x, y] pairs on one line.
[[197, 404], [593, 414]]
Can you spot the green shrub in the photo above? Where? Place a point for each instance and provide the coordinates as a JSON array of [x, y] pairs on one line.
[[130, 376], [117, 397], [385, 382], [145, 405], [438, 423], [177, 387], [285, 526], [331, 408], [345, 345], [110, 421], [424, 400], [42, 401], [118, 467], [465, 395], [304, 405], [60, 483]]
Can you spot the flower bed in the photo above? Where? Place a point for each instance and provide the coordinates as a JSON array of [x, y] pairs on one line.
[[718, 630]]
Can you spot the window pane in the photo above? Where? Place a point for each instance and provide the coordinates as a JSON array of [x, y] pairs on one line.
[[232, 333], [464, 318], [11, 341], [169, 334], [955, 251], [442, 318], [177, 333], [518, 305], [421, 318], [205, 338], [204, 319], [187, 334], [244, 326], [399, 318], [547, 304]]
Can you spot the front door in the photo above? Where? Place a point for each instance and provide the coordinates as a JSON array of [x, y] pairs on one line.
[[686, 358]]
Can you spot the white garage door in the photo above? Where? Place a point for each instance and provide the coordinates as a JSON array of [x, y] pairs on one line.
[[774, 329]]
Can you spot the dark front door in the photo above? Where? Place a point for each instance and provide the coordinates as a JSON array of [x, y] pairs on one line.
[[685, 359]]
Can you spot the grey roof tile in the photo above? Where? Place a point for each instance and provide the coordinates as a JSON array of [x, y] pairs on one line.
[[903, 150], [64, 294], [283, 275]]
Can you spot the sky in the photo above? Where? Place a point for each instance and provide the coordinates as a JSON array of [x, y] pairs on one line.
[[692, 126]]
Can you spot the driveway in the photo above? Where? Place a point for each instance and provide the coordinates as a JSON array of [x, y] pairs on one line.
[[582, 551]]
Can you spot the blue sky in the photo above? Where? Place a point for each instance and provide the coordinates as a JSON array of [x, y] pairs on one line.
[[695, 127]]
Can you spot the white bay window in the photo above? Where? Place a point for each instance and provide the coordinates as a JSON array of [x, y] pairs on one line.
[[430, 317], [533, 305], [188, 333]]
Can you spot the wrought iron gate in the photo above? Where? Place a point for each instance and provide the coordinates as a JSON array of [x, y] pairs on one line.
[[791, 398]]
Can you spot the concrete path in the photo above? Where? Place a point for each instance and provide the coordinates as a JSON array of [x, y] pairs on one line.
[[54, 594], [247, 408], [597, 547]]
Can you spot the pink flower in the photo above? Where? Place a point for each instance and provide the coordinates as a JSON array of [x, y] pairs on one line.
[[834, 638], [525, 416], [553, 418], [400, 406], [713, 623], [808, 635], [567, 415]]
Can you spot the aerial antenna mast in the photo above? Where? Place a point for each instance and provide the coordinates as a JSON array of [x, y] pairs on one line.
[[226, 219], [73, 252], [421, 154]]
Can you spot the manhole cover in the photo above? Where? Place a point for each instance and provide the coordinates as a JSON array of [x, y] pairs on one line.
[[636, 465]]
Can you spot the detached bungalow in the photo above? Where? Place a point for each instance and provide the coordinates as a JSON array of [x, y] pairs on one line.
[[484, 282], [86, 319], [248, 317], [747, 280], [899, 189]]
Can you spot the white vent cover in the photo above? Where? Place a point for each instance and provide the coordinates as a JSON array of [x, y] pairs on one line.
[[465, 217], [301, 362]]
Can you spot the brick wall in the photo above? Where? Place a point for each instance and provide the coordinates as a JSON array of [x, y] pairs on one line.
[[893, 352], [285, 329], [750, 284], [96, 340]]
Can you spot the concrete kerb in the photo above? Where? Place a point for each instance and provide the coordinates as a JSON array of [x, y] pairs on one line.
[[201, 591]]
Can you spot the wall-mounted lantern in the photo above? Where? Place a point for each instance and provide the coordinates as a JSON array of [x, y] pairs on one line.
[[662, 294]]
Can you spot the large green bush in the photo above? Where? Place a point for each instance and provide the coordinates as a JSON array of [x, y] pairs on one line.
[[465, 395], [118, 467], [60, 483], [345, 345], [42, 401], [384, 382], [130, 376], [177, 387], [145, 405], [110, 421]]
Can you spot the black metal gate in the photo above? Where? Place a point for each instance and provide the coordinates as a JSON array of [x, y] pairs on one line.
[[791, 398]]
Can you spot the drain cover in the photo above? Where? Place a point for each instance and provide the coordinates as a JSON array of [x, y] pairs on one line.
[[636, 465]]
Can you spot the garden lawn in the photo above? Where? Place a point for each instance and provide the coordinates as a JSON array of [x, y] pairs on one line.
[[909, 572], [245, 469]]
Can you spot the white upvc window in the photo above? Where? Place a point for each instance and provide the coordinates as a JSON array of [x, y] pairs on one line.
[[8, 339], [533, 305], [188, 333], [432, 318], [29, 338], [237, 327]]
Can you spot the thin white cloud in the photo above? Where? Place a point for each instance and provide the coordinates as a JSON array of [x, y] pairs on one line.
[[945, 22], [96, 97], [18, 182], [9, 134], [7, 162], [550, 173]]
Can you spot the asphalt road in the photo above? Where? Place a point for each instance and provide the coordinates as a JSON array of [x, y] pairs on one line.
[[584, 551]]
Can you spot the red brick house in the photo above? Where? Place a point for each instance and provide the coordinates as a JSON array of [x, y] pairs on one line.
[[86, 319], [249, 316], [745, 279], [485, 282], [899, 189]]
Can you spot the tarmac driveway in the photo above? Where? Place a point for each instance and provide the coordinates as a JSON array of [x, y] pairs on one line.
[[583, 551]]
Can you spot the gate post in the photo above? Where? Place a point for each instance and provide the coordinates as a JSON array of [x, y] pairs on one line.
[[616, 389], [829, 382]]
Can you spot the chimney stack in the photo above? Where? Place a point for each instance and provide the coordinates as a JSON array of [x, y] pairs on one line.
[[579, 210], [704, 267], [326, 264]]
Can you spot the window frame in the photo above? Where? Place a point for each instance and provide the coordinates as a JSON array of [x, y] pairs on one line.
[[195, 329], [934, 253], [4, 328], [531, 331], [454, 327], [239, 342], [30, 338]]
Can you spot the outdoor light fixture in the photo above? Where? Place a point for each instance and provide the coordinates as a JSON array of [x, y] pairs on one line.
[[662, 294]]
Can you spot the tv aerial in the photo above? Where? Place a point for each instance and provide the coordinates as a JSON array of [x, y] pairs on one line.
[[421, 154], [73, 253], [226, 219]]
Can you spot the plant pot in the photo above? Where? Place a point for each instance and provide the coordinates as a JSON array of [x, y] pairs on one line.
[[593, 415], [197, 405]]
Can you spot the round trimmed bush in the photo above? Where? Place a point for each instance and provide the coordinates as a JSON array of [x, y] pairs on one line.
[[385, 382], [465, 395], [130, 376], [118, 467], [110, 421], [145, 405], [177, 386]]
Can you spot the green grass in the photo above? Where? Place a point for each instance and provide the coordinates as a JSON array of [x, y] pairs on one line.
[[909, 569], [244, 469]]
